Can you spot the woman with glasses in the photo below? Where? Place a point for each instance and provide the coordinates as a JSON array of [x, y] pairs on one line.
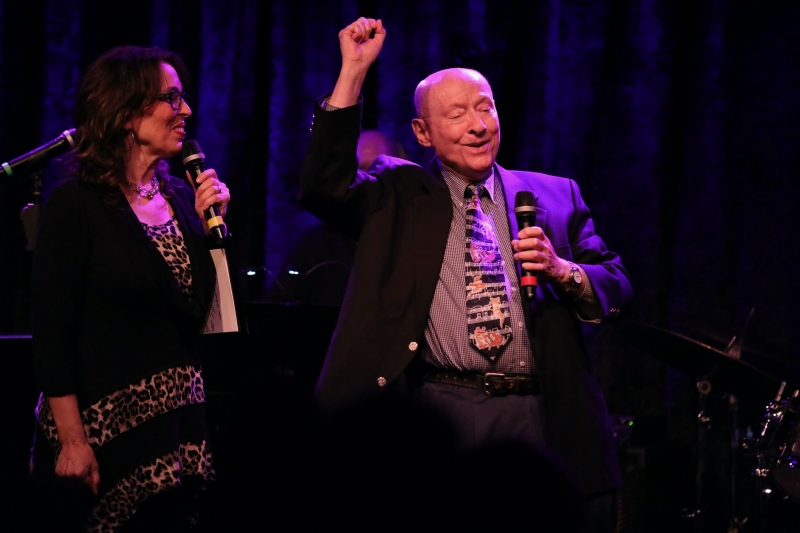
[[122, 283]]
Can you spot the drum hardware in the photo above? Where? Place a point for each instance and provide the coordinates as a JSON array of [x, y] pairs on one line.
[[734, 351], [773, 426], [724, 372], [735, 523], [734, 347], [704, 421], [776, 450], [777, 446]]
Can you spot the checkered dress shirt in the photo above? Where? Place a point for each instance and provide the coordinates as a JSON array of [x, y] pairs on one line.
[[446, 334]]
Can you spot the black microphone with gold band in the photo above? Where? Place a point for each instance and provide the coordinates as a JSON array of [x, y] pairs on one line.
[[194, 160]]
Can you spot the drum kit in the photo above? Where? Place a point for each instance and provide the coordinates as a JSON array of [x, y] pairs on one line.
[[766, 460]]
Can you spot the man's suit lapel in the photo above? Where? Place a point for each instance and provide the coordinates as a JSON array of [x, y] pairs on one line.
[[511, 186], [433, 213]]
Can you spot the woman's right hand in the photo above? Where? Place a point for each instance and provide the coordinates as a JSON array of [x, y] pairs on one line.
[[77, 461]]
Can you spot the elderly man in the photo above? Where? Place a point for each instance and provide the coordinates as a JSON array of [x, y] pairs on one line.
[[433, 308]]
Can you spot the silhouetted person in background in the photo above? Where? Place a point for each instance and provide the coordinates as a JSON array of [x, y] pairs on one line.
[[316, 270]]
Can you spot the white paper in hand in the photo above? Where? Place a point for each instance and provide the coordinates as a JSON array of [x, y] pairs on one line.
[[222, 311]]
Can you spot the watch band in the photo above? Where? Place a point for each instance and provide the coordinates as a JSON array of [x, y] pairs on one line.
[[575, 278]]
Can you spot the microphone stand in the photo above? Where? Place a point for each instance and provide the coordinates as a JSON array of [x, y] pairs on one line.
[[30, 213], [32, 164]]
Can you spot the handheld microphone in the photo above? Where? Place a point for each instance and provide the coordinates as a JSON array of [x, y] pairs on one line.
[[194, 160], [525, 211], [62, 143]]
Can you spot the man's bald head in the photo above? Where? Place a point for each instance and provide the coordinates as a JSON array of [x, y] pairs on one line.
[[425, 87], [458, 119]]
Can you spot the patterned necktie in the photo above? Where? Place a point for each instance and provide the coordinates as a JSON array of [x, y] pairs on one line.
[[487, 301]]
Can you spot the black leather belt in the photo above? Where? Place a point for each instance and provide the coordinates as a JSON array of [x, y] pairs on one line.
[[491, 383]]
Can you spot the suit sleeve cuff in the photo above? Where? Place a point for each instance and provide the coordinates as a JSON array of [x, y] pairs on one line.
[[322, 103]]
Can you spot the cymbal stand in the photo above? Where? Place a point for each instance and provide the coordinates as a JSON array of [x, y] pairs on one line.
[[735, 522], [703, 424]]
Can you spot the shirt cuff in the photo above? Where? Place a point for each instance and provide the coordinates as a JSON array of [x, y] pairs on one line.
[[323, 103]]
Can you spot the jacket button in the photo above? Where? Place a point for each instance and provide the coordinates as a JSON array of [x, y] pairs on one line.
[[412, 346], [381, 381]]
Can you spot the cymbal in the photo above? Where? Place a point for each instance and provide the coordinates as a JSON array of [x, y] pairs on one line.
[[760, 348], [700, 360]]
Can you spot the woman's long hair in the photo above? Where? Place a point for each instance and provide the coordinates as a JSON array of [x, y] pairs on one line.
[[117, 87]]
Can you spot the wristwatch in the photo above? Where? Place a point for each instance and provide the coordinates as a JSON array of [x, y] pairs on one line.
[[575, 277]]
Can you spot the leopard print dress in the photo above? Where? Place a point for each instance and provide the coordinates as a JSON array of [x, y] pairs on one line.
[[137, 404], [169, 241]]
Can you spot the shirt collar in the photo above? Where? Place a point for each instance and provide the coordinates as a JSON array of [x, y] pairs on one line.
[[457, 185]]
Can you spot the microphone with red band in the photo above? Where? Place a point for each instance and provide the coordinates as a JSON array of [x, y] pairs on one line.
[[194, 160], [525, 212]]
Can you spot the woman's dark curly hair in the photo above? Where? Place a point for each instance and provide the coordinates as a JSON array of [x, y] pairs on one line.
[[117, 87]]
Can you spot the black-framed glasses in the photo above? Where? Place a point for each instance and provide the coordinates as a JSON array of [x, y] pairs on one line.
[[174, 98]]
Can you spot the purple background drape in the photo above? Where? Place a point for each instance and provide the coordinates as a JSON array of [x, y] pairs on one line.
[[678, 120]]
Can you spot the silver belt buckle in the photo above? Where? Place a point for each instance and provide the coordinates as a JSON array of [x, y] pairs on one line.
[[494, 388]]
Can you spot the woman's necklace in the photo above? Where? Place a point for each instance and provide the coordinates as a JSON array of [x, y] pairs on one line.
[[144, 193]]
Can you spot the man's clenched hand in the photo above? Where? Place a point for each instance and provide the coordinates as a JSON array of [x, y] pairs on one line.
[[360, 47]]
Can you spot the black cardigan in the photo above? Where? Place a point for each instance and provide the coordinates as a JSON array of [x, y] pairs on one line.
[[107, 309]]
